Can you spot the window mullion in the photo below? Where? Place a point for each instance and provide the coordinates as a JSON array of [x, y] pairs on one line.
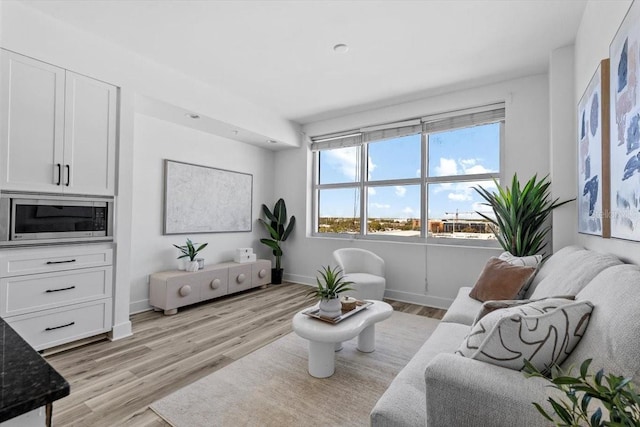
[[424, 202], [364, 174]]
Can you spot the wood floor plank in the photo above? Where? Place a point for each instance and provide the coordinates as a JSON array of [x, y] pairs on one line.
[[113, 383]]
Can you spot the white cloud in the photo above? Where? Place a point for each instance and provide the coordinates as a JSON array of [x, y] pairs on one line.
[[418, 171], [408, 210], [371, 166], [400, 191], [477, 169], [346, 161], [459, 197], [447, 167], [468, 162], [380, 206], [371, 191]]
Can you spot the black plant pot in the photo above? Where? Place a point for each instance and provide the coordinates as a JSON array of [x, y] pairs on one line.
[[276, 276]]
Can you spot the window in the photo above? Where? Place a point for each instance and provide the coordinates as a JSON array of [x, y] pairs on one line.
[[409, 180]]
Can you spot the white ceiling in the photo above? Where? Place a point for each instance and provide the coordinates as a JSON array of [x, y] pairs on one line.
[[278, 54]]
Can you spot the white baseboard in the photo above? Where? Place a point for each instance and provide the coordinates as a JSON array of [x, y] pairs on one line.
[[120, 331], [430, 301], [297, 278], [139, 306]]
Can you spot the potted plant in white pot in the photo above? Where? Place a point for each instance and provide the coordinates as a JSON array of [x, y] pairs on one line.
[[330, 284], [279, 232], [520, 214], [190, 251]]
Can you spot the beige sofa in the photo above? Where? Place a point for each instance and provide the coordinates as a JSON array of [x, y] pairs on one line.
[[440, 388]]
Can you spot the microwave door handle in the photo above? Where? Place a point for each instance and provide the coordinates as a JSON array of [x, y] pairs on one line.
[[68, 174]]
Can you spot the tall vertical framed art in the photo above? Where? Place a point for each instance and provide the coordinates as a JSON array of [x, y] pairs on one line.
[[624, 54], [593, 155]]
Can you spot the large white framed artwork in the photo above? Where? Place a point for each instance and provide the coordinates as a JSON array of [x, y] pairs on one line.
[[593, 155], [625, 127], [201, 199]]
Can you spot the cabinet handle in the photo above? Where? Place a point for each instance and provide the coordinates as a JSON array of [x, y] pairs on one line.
[[60, 262], [61, 326], [59, 173], [61, 289], [68, 168]]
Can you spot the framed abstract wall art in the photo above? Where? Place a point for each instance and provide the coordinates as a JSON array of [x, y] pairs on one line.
[[624, 54], [593, 155], [201, 199]]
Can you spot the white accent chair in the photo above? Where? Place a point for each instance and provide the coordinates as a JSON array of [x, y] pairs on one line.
[[365, 269]]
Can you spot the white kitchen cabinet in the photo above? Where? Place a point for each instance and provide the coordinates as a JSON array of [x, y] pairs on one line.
[[56, 295], [58, 129]]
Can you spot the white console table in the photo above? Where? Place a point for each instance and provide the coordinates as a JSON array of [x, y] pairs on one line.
[[169, 290]]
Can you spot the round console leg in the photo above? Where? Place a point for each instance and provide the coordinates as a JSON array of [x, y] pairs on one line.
[[321, 359], [171, 312], [367, 339]]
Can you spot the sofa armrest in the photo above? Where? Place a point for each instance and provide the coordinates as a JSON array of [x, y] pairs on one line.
[[466, 392]]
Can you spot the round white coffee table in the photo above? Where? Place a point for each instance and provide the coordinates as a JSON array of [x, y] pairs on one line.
[[326, 338]]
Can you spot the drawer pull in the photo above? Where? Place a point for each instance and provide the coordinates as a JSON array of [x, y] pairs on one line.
[[61, 326], [240, 278], [61, 289], [61, 262]]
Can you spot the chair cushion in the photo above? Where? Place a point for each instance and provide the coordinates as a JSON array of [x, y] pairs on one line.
[[500, 280], [543, 332], [550, 264], [366, 286]]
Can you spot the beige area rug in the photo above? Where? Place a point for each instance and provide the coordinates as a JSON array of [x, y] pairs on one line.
[[271, 386]]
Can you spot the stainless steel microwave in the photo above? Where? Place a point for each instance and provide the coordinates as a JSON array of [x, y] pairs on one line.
[[28, 219]]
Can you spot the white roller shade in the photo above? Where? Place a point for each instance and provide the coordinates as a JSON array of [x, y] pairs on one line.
[[329, 142]]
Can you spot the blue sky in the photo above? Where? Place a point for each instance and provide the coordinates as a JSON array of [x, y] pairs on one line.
[[458, 152]]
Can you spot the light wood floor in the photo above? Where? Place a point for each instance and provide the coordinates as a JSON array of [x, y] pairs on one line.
[[113, 383]]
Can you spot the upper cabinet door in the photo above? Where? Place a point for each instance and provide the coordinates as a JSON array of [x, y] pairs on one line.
[[31, 124], [90, 136]]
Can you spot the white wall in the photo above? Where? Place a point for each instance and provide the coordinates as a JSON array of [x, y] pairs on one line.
[[410, 265], [561, 146], [157, 140], [599, 24], [29, 32]]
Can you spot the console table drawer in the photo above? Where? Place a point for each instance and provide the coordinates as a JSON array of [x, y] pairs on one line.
[[261, 273], [33, 261], [49, 328], [239, 278], [24, 294]]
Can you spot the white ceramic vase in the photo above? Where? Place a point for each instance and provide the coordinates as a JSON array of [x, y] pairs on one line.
[[330, 307], [182, 264], [192, 265]]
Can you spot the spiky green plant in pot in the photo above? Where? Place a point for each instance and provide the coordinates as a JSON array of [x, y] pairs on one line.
[[520, 214]]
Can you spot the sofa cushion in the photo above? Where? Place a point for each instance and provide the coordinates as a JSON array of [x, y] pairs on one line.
[[490, 306], [500, 280], [550, 264], [523, 261], [612, 337], [573, 273], [464, 309], [543, 332], [404, 402]]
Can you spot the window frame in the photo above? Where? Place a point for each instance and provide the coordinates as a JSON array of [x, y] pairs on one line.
[[423, 181]]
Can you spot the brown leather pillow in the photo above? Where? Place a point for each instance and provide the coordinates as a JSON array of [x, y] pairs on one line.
[[500, 280]]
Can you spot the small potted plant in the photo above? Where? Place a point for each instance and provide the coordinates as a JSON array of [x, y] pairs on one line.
[[190, 251], [330, 284]]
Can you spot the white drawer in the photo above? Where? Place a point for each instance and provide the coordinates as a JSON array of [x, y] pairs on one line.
[[24, 294], [45, 260], [58, 326]]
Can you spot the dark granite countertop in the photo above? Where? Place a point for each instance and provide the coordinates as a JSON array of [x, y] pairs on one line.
[[27, 380]]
